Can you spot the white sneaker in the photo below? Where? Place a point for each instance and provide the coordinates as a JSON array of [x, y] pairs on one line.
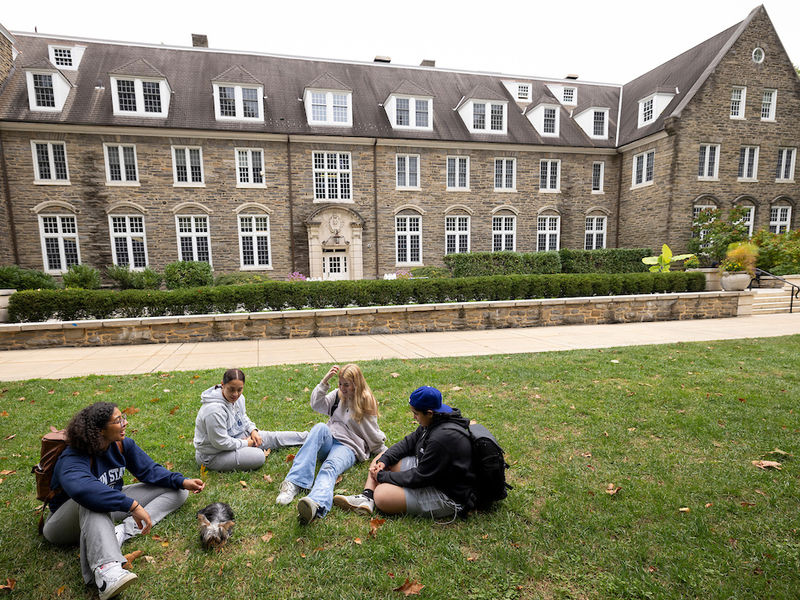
[[111, 579], [288, 492], [358, 503], [307, 509]]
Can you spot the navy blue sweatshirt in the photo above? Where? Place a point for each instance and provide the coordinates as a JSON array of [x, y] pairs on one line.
[[96, 483]]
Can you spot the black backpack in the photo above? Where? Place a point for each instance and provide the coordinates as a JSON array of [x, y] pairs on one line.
[[488, 465]]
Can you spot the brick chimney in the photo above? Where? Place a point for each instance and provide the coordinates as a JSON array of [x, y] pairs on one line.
[[427, 62], [199, 40]]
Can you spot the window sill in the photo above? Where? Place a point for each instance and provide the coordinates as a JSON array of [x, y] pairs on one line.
[[708, 179], [458, 189], [251, 186], [407, 189], [123, 184], [506, 190], [784, 180], [541, 191], [256, 267], [746, 180], [46, 182], [141, 115], [239, 119], [598, 193], [738, 118], [408, 264], [333, 201], [189, 185], [49, 109], [636, 186]]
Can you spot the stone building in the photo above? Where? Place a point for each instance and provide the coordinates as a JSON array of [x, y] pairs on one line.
[[140, 155]]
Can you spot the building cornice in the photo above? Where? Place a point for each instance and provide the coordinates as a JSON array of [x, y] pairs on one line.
[[650, 139]]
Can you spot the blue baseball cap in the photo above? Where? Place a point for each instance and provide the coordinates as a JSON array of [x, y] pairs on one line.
[[428, 398]]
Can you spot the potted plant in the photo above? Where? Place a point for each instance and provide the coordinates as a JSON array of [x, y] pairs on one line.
[[739, 266]]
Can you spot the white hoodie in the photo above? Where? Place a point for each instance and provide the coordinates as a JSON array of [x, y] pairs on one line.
[[221, 426]]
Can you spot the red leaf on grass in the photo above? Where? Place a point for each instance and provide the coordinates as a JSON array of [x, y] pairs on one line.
[[409, 588], [130, 410], [60, 590], [10, 437], [174, 409], [9, 585], [289, 457], [7, 472], [267, 536], [374, 524], [130, 557]]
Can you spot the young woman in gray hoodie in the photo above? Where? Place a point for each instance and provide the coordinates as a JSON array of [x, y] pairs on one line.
[[225, 439]]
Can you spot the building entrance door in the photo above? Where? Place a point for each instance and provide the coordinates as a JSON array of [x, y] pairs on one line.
[[334, 263]]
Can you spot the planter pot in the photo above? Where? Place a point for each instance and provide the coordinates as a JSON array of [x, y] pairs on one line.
[[712, 278], [4, 296], [735, 282]]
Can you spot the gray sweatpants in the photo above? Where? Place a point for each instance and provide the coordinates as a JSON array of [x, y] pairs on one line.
[[248, 458], [94, 531]]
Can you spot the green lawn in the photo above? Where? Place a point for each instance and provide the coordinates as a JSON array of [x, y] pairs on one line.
[[673, 427]]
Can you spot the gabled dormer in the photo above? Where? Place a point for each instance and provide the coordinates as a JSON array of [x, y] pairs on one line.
[[328, 101], [484, 111], [594, 122], [520, 90], [138, 89], [651, 106], [410, 106], [66, 57], [566, 94], [545, 118], [48, 88], [238, 96]]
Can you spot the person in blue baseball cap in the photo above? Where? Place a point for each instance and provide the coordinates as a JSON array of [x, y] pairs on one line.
[[426, 473]]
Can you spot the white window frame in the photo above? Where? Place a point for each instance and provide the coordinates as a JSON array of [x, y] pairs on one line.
[[407, 234], [457, 161], [60, 236], [647, 105], [58, 84], [124, 181], [37, 178], [163, 90], [595, 227], [487, 116], [768, 106], [599, 188], [238, 99], [784, 171], [544, 227], [745, 160], [710, 172], [526, 94], [739, 113], [552, 163], [187, 155], [329, 177], [254, 234], [402, 178], [457, 228], [748, 220], [329, 108], [780, 218], [128, 236], [603, 135], [194, 234], [645, 158], [696, 210], [414, 103], [501, 235], [573, 101], [253, 170], [556, 121], [504, 162], [75, 53]]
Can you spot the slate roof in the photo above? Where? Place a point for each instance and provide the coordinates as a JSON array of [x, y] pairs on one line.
[[138, 67], [237, 74]]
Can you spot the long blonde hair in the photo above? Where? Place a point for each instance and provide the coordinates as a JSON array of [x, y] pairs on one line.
[[364, 400]]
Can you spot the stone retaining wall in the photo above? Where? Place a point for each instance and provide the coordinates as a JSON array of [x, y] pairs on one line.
[[377, 320]]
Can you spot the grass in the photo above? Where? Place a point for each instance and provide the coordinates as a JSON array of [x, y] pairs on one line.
[[673, 426]]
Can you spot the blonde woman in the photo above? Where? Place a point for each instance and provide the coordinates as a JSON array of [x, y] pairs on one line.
[[350, 435]]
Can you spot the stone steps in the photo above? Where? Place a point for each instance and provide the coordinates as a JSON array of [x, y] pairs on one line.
[[775, 300]]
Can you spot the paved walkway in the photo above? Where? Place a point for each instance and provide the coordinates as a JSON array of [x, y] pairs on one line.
[[54, 363]]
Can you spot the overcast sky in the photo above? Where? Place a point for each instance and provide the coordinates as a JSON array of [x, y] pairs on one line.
[[612, 41]]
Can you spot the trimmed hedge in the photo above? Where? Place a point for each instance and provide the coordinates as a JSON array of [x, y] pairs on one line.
[[13, 277], [75, 304], [476, 264], [609, 260]]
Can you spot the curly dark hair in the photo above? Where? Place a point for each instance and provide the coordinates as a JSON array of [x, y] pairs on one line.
[[84, 432]]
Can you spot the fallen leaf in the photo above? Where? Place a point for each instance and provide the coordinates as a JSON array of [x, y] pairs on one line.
[[10, 437], [631, 429], [267, 536], [590, 467], [60, 590], [762, 493], [409, 588], [9, 585], [709, 504], [51, 392], [270, 558], [164, 544], [742, 400], [150, 559], [302, 555], [684, 509], [174, 409], [611, 489], [470, 558], [267, 452], [4, 413], [131, 410], [248, 564], [76, 393], [748, 504], [289, 457], [652, 569], [130, 557], [767, 464], [586, 455], [167, 390], [338, 480], [456, 388], [7, 472], [305, 389], [267, 478], [156, 537], [357, 541], [203, 472], [288, 398], [220, 570], [395, 375], [615, 361], [243, 484], [374, 524], [780, 452], [265, 398]]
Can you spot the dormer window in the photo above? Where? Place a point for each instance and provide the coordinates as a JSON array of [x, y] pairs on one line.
[[66, 57], [139, 97], [47, 90], [523, 91], [43, 90], [546, 119], [238, 102], [62, 57], [565, 94], [594, 122], [647, 111], [652, 106], [329, 107], [550, 115], [486, 117], [569, 95], [406, 112]]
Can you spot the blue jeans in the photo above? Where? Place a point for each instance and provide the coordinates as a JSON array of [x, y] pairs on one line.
[[336, 459]]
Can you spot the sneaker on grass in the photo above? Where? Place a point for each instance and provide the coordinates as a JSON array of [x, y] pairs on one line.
[[358, 503], [287, 493], [307, 509], [111, 579]]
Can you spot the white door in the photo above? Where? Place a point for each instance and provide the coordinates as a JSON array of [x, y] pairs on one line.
[[334, 264]]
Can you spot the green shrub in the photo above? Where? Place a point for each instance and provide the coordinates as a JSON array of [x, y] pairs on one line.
[[13, 277], [240, 278], [126, 279], [475, 264], [778, 253], [608, 260], [187, 274], [430, 272], [82, 277]]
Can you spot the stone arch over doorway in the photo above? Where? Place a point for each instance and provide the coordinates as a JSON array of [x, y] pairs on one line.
[[335, 249]]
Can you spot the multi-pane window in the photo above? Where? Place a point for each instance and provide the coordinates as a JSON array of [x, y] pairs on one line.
[[151, 93], [504, 229], [779, 217], [643, 167], [408, 239], [319, 106], [62, 57], [249, 167], [237, 102], [768, 105], [121, 164], [738, 96], [407, 171], [128, 240], [187, 165], [332, 176], [403, 113], [696, 210], [43, 90], [126, 93], [421, 110], [340, 108], [50, 162], [549, 125], [250, 103], [708, 161], [647, 111], [479, 115], [332, 108], [457, 172], [599, 124], [139, 97], [59, 242], [494, 121], [523, 91], [595, 235], [784, 171], [456, 234], [547, 233], [748, 163], [497, 117], [568, 96], [505, 173], [598, 174], [254, 241], [227, 101], [747, 218], [193, 238], [549, 175]]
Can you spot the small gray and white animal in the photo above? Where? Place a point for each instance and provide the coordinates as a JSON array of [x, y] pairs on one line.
[[216, 524]]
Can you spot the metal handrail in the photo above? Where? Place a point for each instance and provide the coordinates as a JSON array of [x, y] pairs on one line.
[[794, 294]]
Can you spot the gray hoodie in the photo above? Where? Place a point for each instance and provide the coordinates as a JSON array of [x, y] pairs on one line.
[[221, 426]]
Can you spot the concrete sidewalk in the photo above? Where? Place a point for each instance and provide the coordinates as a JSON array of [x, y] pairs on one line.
[[55, 363]]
